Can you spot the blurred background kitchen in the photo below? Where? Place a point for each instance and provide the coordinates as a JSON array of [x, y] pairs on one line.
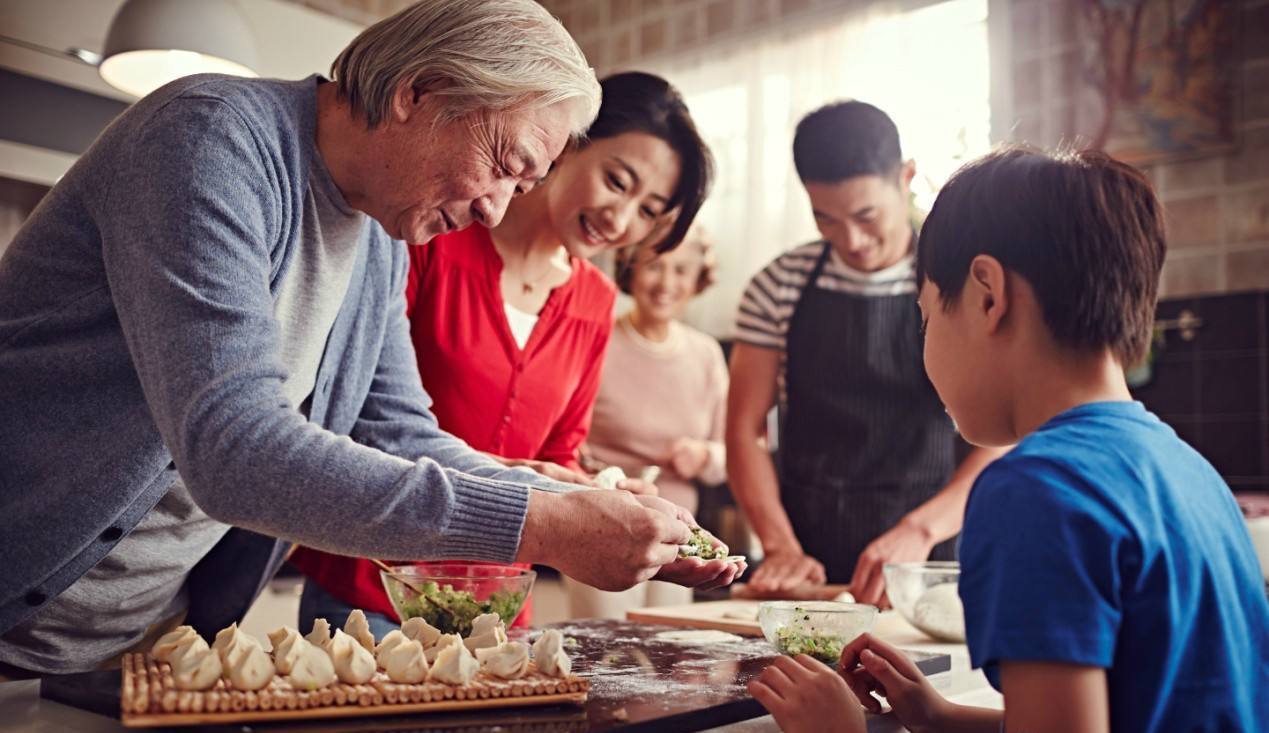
[[1179, 88]]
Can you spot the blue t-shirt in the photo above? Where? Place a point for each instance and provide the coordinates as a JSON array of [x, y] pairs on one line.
[[1104, 540]]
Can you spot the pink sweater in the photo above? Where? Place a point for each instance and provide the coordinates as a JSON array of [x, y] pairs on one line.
[[651, 394]]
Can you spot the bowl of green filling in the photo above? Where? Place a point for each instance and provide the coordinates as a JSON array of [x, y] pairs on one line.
[[817, 628], [450, 595]]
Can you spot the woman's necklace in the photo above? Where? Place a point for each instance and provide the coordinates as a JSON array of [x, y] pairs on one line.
[[527, 285]]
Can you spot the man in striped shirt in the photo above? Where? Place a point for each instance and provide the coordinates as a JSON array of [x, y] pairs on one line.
[[831, 332]]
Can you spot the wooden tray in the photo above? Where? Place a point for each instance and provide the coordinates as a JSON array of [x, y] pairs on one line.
[[149, 697]]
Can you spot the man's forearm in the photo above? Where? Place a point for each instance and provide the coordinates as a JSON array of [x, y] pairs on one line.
[[757, 489], [940, 517]]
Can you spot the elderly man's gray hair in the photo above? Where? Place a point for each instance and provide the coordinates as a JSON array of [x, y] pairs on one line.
[[482, 54]]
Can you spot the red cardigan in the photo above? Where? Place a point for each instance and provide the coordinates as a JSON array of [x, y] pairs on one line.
[[531, 403]]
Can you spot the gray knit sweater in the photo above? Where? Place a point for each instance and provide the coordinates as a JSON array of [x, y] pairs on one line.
[[137, 338]]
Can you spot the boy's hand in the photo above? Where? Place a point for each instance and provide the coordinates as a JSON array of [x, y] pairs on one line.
[[805, 695], [870, 665]]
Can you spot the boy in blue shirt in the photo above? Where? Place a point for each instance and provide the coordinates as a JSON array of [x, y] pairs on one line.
[[1107, 577]]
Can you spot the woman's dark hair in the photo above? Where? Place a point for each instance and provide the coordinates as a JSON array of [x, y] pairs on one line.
[[1083, 229], [637, 102], [844, 140], [624, 263]]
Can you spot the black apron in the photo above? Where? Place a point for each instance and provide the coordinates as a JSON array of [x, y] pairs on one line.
[[864, 439]]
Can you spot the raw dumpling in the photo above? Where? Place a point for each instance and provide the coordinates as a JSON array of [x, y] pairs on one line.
[[454, 666], [313, 669], [320, 635], [405, 662], [163, 648], [358, 628], [610, 477], [389, 643], [446, 640], [286, 648], [231, 644], [189, 645], [509, 660], [549, 656], [487, 630], [421, 631], [250, 669], [353, 664], [195, 666]]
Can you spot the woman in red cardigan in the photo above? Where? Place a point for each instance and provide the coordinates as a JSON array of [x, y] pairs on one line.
[[510, 323]]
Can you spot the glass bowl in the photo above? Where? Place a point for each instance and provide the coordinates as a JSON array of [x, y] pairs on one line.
[[449, 595], [925, 593], [817, 628]]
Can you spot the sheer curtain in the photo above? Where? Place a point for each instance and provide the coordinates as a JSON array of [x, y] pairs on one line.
[[927, 68]]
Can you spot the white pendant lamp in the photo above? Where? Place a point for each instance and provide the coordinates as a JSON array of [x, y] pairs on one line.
[[153, 42]]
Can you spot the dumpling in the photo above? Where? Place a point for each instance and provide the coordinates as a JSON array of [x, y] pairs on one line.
[[610, 477], [454, 666], [313, 669], [405, 662], [359, 628], [487, 630], [231, 644], [509, 660], [189, 645], [549, 655], [446, 640], [320, 635], [421, 631], [389, 643], [195, 666], [163, 648], [250, 669], [353, 664], [286, 648]]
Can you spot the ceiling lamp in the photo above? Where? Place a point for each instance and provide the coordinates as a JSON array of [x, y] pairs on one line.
[[153, 42]]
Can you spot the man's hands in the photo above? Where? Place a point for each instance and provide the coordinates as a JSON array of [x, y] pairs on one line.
[[803, 694], [786, 570], [904, 542], [870, 665], [606, 539]]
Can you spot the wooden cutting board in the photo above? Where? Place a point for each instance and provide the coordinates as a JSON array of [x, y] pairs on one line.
[[801, 593], [736, 616]]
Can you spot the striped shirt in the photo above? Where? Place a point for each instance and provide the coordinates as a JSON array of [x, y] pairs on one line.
[[767, 306]]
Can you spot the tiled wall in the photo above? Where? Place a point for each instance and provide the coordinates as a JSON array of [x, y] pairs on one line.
[[1214, 389]]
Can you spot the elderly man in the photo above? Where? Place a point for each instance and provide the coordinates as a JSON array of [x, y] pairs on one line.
[[203, 343]]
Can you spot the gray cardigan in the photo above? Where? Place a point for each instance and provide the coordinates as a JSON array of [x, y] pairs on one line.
[[137, 338]]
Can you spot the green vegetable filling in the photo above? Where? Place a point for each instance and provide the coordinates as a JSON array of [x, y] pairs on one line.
[[452, 611]]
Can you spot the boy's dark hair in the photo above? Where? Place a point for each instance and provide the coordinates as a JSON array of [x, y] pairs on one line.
[[844, 140], [1084, 229], [638, 102]]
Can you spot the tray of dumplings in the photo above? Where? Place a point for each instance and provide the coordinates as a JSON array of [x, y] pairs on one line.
[[183, 680]]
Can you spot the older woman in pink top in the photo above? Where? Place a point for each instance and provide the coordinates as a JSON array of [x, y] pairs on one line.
[[661, 401]]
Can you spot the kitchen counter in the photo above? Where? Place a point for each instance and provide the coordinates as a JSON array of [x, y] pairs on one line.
[[638, 683]]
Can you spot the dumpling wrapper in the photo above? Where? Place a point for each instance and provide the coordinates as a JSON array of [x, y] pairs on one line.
[[353, 664], [196, 666], [509, 660], [359, 628], [231, 644], [549, 655], [487, 630], [446, 640], [454, 666], [286, 648], [421, 631], [251, 669], [313, 668], [390, 642], [320, 635], [163, 648], [610, 477], [189, 645], [405, 662]]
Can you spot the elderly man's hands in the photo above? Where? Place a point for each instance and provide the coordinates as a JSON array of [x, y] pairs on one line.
[[611, 540]]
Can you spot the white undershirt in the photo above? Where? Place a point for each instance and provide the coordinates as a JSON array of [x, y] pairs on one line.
[[521, 324]]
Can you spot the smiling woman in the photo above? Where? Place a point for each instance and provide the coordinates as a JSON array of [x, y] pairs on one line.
[[510, 322]]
